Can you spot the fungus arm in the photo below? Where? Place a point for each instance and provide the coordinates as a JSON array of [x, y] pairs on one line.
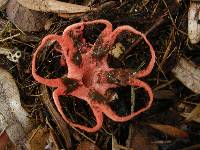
[[97, 113], [148, 69], [112, 115], [49, 82]]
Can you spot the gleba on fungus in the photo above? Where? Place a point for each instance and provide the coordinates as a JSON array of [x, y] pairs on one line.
[[89, 77]]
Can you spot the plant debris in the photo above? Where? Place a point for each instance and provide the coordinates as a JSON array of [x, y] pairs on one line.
[[188, 73], [25, 19], [53, 6]]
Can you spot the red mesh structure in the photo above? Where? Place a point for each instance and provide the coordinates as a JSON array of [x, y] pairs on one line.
[[89, 77]]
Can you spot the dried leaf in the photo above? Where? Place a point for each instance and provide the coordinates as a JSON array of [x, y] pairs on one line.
[[140, 141], [53, 6], [194, 114], [3, 3], [25, 19], [86, 145], [170, 130], [42, 138], [188, 73]]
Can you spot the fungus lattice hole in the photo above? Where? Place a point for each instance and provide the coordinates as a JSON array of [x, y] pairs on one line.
[[135, 55], [130, 99], [92, 32], [49, 61], [77, 110]]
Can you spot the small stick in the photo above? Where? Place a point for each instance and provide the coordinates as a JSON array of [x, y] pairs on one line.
[[9, 38]]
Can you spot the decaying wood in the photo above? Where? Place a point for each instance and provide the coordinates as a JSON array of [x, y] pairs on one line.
[[62, 126], [53, 6], [188, 73]]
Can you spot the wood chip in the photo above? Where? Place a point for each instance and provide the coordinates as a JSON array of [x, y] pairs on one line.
[[188, 73]]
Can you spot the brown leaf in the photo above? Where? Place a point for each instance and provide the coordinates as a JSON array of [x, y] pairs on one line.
[[25, 19], [53, 6], [140, 141], [3, 3], [42, 138], [170, 130], [188, 73], [194, 114], [86, 145]]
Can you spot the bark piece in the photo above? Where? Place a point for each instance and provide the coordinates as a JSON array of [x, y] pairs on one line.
[[188, 73], [194, 115], [140, 141]]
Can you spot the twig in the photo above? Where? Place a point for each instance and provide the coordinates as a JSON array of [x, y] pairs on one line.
[[9, 38], [170, 14], [164, 85], [167, 51], [81, 133]]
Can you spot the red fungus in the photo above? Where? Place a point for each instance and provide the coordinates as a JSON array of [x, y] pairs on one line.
[[89, 77]]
